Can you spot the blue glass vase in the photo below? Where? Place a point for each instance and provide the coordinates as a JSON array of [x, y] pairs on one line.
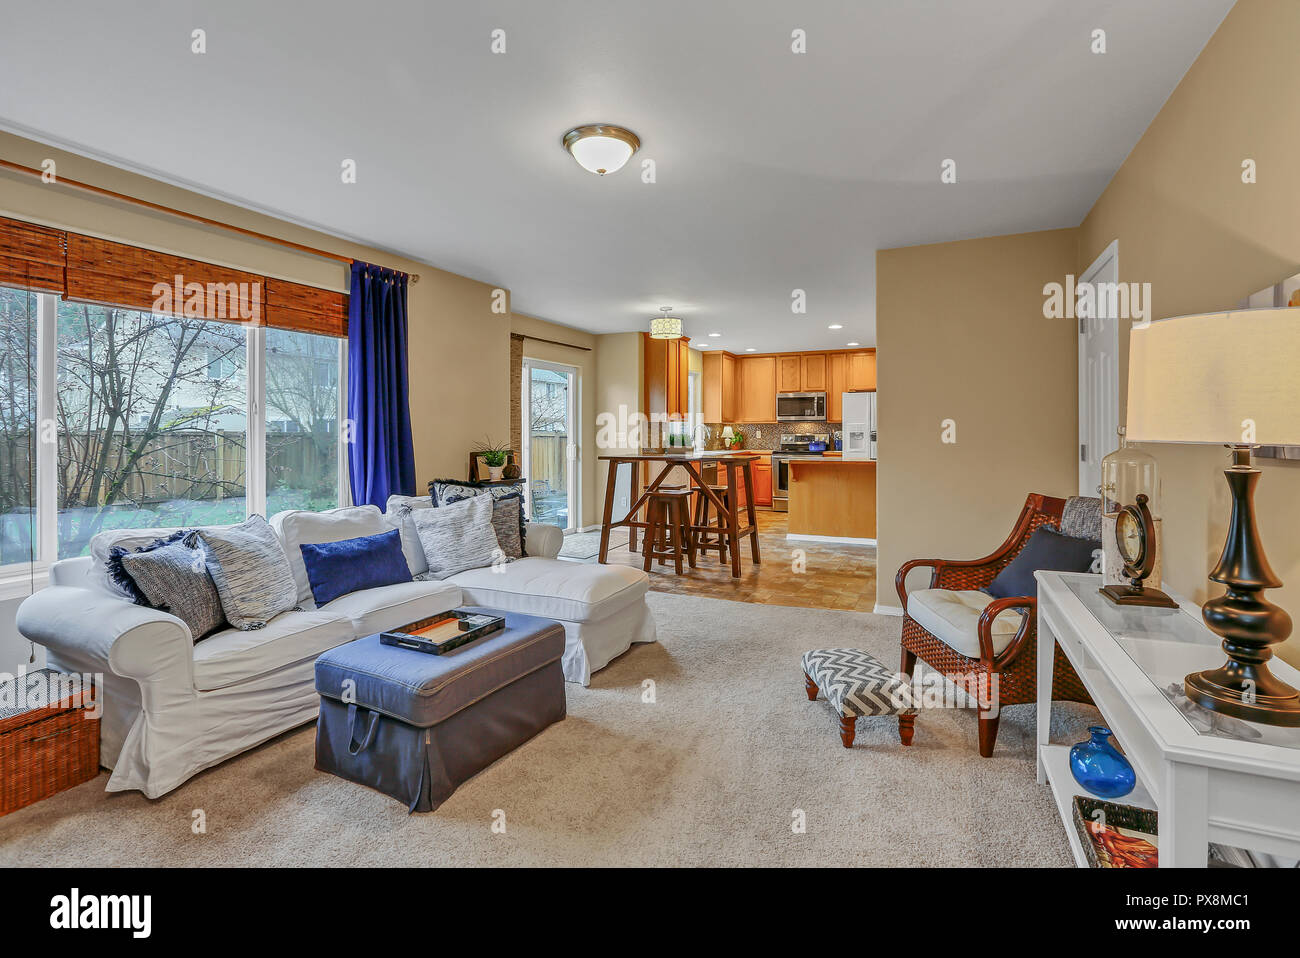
[[1100, 768]]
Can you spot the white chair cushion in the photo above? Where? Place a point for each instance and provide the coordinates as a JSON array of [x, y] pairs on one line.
[[232, 656], [953, 617], [297, 527], [390, 606], [554, 589]]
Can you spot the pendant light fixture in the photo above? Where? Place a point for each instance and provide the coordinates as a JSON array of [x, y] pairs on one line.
[[665, 326], [601, 148]]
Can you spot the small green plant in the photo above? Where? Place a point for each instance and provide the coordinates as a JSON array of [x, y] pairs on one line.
[[493, 454]]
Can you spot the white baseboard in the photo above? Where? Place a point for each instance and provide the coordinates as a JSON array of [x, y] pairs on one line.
[[840, 540], [888, 609]]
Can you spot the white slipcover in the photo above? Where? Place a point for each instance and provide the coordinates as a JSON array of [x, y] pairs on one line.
[[172, 708]]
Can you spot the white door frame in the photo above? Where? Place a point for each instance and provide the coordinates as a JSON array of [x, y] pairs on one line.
[[1098, 414], [573, 452]]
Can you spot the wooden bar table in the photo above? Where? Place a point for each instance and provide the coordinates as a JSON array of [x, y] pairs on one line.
[[691, 462]]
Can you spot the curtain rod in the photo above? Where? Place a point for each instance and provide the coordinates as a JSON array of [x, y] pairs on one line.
[[192, 217], [554, 342]]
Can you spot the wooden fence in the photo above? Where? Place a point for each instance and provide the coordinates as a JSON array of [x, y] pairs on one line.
[[548, 460]]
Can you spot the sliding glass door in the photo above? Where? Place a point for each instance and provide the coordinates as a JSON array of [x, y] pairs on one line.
[[550, 440]]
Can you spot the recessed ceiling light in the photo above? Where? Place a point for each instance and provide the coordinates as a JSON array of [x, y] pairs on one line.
[[714, 335], [855, 344], [749, 349], [835, 326], [601, 148]]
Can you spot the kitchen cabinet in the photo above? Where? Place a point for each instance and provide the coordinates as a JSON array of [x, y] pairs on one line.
[[667, 376], [812, 372], [860, 375], [787, 374], [836, 370], [762, 484], [719, 387], [743, 388], [757, 383]]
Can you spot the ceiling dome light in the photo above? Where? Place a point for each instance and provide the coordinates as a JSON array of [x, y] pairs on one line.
[[665, 326], [835, 326], [601, 148]]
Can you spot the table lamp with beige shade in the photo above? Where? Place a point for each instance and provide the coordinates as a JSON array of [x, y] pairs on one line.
[[1234, 379]]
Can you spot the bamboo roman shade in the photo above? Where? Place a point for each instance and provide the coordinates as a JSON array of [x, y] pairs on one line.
[[86, 269], [306, 308], [31, 256], [114, 274]]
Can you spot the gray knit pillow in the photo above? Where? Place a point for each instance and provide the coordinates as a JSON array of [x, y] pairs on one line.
[[174, 578], [1081, 518], [250, 571], [505, 523], [458, 536]]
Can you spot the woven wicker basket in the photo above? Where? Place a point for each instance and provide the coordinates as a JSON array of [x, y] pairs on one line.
[[44, 751], [1121, 816]]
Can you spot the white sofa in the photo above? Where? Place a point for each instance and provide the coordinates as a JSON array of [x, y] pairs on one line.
[[173, 707]]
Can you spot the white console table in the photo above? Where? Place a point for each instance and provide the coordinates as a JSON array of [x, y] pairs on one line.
[[1212, 778]]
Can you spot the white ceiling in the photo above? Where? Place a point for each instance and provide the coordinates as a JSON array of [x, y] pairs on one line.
[[775, 171]]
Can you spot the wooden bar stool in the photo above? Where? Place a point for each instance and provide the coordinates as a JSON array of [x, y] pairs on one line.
[[704, 531], [669, 535]]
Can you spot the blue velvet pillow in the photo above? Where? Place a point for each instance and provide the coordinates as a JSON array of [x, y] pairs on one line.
[[1046, 549], [350, 565]]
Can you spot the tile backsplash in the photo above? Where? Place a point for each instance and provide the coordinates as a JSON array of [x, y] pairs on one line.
[[771, 432]]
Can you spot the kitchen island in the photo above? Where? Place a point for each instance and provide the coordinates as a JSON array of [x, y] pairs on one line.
[[833, 499]]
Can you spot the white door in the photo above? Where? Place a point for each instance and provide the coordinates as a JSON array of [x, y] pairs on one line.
[[1098, 373], [552, 458]]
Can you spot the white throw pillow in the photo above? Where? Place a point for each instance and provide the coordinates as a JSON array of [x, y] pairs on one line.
[[398, 512], [297, 528], [458, 537]]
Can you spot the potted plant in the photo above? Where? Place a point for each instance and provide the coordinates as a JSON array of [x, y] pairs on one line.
[[495, 456]]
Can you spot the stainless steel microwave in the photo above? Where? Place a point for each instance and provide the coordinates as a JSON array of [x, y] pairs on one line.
[[800, 407]]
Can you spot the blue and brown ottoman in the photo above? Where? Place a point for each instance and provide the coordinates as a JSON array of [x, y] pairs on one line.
[[415, 726], [856, 684]]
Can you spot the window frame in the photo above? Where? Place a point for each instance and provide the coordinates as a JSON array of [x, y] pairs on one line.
[[19, 579]]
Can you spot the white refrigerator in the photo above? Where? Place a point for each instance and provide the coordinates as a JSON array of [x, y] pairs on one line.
[[859, 425]]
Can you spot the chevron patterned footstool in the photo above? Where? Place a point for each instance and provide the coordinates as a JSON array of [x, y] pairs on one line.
[[856, 684]]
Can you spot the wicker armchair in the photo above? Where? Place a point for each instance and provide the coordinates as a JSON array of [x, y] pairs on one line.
[[1015, 665]]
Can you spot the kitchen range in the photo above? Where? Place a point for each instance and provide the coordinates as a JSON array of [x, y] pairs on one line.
[[793, 446]]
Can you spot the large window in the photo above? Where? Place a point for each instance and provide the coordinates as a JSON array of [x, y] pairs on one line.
[[147, 435], [121, 418], [302, 419], [18, 432]]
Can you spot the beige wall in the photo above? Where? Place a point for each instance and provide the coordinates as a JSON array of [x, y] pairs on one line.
[[585, 361], [620, 366], [1188, 225], [459, 348], [961, 336]]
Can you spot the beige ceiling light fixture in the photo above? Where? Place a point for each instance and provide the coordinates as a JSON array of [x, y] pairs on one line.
[[665, 326], [601, 148]]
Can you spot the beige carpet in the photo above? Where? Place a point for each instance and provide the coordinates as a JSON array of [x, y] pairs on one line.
[[710, 774]]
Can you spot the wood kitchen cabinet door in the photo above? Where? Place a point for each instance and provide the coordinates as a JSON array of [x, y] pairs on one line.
[[861, 373], [787, 374], [728, 388], [836, 366], [757, 380], [762, 485], [812, 372]]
